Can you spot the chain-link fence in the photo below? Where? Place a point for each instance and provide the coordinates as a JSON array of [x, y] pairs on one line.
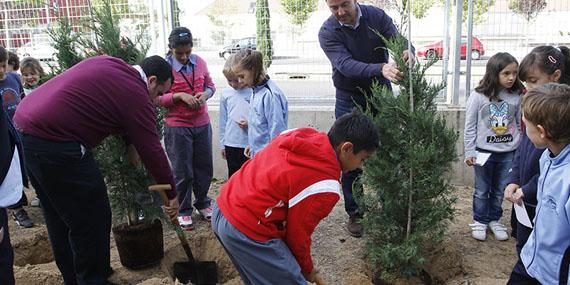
[[221, 27]]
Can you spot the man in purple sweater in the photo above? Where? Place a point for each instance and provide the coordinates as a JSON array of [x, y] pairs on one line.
[[358, 57], [61, 121]]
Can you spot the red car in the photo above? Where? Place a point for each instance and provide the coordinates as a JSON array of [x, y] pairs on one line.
[[432, 50]]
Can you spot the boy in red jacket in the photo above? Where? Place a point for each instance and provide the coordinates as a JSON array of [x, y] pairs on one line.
[[269, 209]]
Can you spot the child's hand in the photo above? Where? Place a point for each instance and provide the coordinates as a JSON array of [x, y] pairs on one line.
[[202, 97], [188, 99], [518, 196], [470, 161], [247, 152], [314, 277], [510, 190], [223, 154], [242, 124]]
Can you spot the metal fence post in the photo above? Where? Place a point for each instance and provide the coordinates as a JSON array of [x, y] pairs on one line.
[[468, 57], [457, 54]]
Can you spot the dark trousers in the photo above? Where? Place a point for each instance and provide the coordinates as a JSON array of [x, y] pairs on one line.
[[21, 203], [75, 207], [190, 152], [521, 279], [343, 107], [235, 159], [6, 252]]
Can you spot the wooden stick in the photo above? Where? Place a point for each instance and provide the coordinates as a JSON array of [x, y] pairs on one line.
[[161, 188]]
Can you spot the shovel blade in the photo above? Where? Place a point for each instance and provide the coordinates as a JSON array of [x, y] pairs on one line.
[[198, 272]]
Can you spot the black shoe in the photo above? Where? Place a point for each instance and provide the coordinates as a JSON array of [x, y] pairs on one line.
[[22, 219], [353, 226]]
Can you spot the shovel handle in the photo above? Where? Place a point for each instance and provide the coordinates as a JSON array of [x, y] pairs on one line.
[[160, 188]]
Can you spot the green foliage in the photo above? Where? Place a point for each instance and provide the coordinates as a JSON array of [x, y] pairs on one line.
[[127, 184], [405, 179], [421, 7], [480, 8], [299, 11], [108, 39], [264, 43], [65, 44], [529, 9]]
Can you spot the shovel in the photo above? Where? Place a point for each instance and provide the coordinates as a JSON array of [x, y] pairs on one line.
[[197, 272]]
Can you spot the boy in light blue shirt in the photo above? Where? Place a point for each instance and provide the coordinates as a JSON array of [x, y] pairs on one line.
[[546, 114], [234, 109]]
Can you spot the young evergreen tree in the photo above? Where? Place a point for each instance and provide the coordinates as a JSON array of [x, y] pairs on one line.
[[408, 200], [127, 184], [263, 20]]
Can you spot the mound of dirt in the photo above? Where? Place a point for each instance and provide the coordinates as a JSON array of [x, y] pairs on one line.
[[340, 258]]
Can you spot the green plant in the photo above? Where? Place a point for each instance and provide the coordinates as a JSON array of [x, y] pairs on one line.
[[407, 200]]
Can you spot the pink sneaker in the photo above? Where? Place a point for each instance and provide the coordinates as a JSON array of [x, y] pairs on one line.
[[206, 213], [186, 223]]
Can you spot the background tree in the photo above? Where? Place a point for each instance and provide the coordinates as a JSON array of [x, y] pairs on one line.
[[407, 198], [529, 9], [223, 26], [299, 11], [264, 43]]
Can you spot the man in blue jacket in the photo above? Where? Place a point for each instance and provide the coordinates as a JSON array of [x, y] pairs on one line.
[[358, 57]]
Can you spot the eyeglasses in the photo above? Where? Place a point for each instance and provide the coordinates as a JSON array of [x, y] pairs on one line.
[[183, 35]]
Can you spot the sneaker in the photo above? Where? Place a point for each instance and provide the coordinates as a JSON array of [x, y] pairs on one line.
[[499, 230], [186, 222], [479, 231], [354, 227], [206, 213], [35, 202], [22, 219]]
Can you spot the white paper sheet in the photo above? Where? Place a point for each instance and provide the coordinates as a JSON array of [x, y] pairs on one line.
[[482, 158], [522, 215], [240, 111]]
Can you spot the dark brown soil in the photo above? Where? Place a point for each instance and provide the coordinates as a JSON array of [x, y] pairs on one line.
[[341, 258]]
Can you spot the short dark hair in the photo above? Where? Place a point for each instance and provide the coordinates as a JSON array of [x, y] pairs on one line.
[[34, 64], [549, 106], [13, 60], [3, 54], [357, 128], [157, 66], [180, 36]]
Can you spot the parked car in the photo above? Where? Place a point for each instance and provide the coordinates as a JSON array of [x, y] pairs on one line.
[[40, 50], [241, 44], [435, 49]]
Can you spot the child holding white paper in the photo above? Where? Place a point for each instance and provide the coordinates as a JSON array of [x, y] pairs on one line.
[[546, 254], [492, 125], [234, 109], [544, 64]]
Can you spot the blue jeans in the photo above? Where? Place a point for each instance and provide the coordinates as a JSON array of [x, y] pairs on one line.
[[190, 152], [344, 107], [490, 183]]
